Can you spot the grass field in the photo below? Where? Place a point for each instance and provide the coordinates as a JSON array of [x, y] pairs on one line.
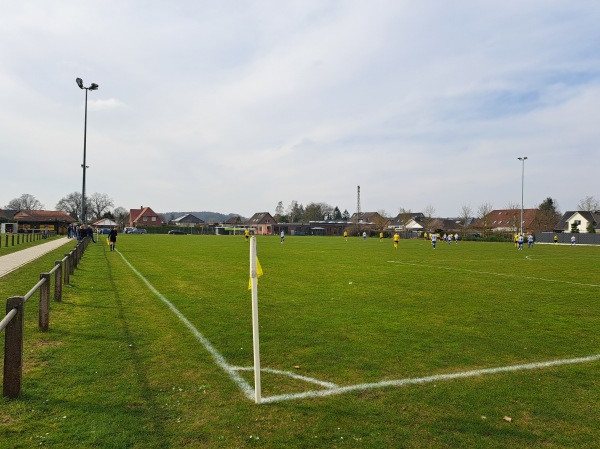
[[361, 346]]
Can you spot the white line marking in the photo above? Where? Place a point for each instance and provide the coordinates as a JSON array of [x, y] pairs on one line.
[[508, 275], [290, 374], [429, 379], [246, 388]]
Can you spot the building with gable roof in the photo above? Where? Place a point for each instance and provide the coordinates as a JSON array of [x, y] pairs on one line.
[[584, 220], [144, 216], [187, 220], [43, 220], [262, 223]]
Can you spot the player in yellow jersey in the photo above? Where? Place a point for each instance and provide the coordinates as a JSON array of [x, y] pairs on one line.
[[246, 234], [346, 235], [396, 240]]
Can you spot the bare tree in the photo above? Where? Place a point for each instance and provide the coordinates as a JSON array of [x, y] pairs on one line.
[[429, 212], [405, 216], [294, 211], [383, 221], [25, 202], [100, 203], [465, 215], [278, 210], [589, 203], [71, 204], [121, 214], [327, 211], [514, 212], [482, 213]]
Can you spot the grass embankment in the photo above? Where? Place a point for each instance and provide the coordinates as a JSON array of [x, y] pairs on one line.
[[119, 369]]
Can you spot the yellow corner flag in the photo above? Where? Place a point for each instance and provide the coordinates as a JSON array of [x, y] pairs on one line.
[[259, 273]]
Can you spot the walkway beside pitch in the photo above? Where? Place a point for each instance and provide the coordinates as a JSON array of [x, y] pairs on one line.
[[11, 262]]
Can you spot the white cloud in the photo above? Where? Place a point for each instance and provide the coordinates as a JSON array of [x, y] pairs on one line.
[[203, 106]]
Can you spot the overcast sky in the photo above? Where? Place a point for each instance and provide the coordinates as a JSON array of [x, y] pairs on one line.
[[233, 106]]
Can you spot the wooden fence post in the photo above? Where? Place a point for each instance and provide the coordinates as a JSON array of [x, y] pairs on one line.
[[58, 280], [44, 309], [67, 269], [73, 260], [13, 349]]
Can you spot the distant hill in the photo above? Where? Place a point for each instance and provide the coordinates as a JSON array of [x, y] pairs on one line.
[[208, 217]]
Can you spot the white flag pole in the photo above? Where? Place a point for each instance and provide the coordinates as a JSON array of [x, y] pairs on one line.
[[255, 339]]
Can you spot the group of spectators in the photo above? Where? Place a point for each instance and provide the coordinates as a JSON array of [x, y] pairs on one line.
[[80, 232]]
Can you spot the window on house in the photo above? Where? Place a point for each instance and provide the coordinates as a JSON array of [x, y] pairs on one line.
[[145, 219], [153, 218]]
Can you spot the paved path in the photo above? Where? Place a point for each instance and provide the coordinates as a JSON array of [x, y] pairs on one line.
[[12, 261]]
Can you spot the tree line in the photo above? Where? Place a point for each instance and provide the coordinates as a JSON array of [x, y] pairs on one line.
[[97, 206]]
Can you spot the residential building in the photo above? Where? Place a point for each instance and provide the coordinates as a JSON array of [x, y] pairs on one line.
[[188, 220], [262, 223], [144, 216], [584, 220]]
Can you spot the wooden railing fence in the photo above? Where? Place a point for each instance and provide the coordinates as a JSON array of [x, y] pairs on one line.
[[13, 322]]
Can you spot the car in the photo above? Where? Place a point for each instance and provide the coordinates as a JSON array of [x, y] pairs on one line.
[[104, 231], [138, 231], [176, 232], [127, 230]]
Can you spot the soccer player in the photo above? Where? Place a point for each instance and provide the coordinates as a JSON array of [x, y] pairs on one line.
[[364, 235], [346, 235], [573, 240], [456, 238], [282, 238], [520, 241], [396, 240], [112, 238], [247, 234], [433, 239], [381, 236], [530, 241]]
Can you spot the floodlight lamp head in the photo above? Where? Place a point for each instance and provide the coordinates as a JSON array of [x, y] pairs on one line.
[[79, 82], [94, 86]]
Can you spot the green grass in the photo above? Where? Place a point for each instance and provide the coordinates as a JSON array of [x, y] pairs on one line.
[[118, 369], [4, 250]]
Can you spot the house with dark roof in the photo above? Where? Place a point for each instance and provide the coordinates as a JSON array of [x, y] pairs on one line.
[[144, 216], [235, 220], [43, 220], [583, 220], [7, 214], [262, 223], [369, 217], [188, 220]]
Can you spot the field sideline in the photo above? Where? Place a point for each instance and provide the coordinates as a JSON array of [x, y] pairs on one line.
[[469, 345]]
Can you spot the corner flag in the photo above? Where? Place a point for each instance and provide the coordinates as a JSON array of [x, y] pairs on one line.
[[259, 273]]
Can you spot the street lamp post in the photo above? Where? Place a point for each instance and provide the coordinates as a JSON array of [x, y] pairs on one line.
[[522, 159], [93, 86]]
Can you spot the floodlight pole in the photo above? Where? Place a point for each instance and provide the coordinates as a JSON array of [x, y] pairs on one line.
[[522, 159], [93, 86]]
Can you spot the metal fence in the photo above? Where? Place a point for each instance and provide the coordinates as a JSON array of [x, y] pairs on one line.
[[565, 238]]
